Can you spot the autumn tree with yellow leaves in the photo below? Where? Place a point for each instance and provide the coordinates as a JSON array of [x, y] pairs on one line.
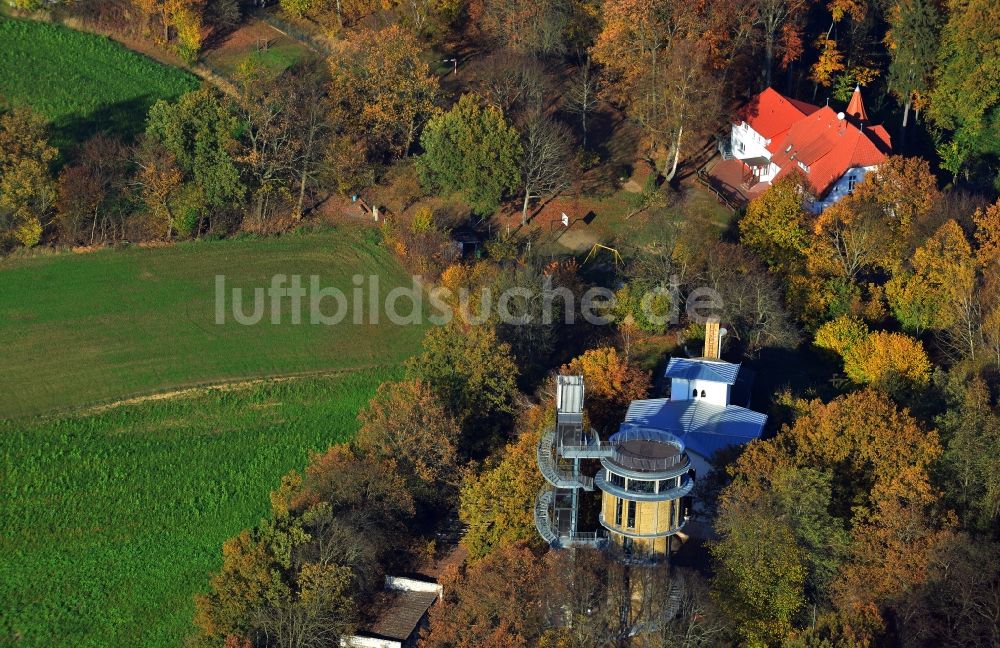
[[891, 362], [939, 283], [27, 188]]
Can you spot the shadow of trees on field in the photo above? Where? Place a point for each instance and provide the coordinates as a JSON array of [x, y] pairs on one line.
[[123, 120]]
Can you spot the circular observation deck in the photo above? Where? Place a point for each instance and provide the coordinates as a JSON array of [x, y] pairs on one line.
[[646, 453]]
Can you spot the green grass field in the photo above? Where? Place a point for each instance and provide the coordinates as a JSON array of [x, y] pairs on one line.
[[110, 523], [82, 83], [80, 329]]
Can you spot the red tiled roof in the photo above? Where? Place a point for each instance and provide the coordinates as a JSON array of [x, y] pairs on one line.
[[828, 146], [882, 135], [771, 113]]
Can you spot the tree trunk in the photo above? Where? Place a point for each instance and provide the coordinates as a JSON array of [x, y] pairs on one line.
[[93, 229], [677, 156], [906, 116], [768, 58], [259, 209], [409, 137], [524, 208], [302, 193]]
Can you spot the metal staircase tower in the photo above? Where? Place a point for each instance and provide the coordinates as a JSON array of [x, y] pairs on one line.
[[559, 452]]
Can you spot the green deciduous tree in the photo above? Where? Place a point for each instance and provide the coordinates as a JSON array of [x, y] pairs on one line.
[[912, 41], [774, 226], [966, 93], [473, 375], [760, 571], [971, 432], [841, 334], [201, 134], [472, 149], [939, 283]]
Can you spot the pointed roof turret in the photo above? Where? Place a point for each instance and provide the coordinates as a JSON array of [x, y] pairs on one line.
[[856, 108]]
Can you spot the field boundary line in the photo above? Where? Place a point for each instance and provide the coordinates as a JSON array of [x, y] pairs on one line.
[[196, 389]]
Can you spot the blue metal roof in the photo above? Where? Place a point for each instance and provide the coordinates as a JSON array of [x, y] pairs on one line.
[[698, 369], [703, 427]]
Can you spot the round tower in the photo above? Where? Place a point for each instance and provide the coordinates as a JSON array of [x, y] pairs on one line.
[[645, 479]]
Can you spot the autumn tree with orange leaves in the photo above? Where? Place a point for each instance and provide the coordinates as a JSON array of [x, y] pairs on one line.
[[384, 90], [612, 383], [660, 68], [778, 24], [493, 603], [869, 526], [407, 424]]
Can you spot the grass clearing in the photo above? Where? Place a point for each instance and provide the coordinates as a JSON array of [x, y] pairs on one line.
[[82, 329], [110, 523], [81, 82], [257, 40]]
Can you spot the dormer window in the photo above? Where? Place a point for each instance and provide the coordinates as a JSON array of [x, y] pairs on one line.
[[788, 148]]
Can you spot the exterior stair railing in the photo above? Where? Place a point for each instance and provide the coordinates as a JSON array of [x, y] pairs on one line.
[[543, 517], [548, 529], [549, 468]]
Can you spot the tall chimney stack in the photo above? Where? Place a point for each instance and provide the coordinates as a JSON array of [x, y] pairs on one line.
[[713, 339]]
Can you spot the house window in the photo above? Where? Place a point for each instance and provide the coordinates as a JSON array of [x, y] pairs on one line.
[[616, 480], [739, 146], [618, 512], [631, 515], [851, 181], [703, 393], [694, 393]]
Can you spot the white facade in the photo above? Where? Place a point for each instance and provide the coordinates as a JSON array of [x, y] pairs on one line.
[[748, 144], [843, 187], [402, 584], [716, 393], [358, 641]]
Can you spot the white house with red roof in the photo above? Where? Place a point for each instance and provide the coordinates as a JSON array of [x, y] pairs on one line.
[[774, 135]]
